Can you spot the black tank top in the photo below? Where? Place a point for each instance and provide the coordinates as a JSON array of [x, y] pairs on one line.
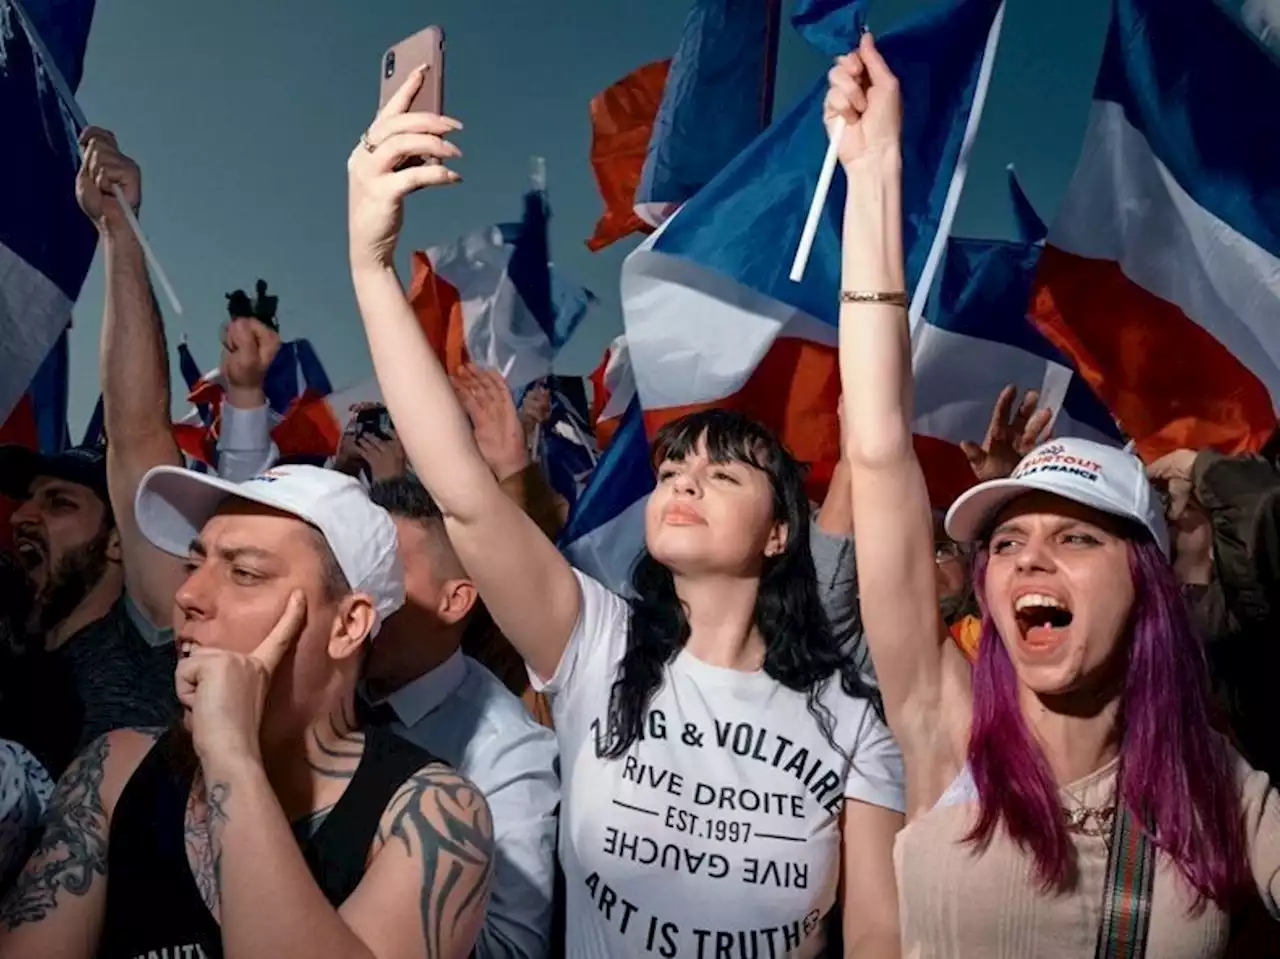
[[153, 905]]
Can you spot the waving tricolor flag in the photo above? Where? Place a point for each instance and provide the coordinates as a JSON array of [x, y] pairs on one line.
[[712, 318], [664, 131], [493, 298], [46, 243], [303, 422], [718, 97], [1160, 278], [978, 340]]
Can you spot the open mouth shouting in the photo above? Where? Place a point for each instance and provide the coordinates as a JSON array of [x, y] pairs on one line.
[[1043, 620], [31, 553]]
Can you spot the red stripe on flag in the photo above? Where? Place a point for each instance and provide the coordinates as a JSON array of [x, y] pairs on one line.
[[18, 430], [599, 392], [622, 118], [793, 392], [438, 307], [205, 392], [1170, 384], [197, 441], [947, 473], [309, 427]]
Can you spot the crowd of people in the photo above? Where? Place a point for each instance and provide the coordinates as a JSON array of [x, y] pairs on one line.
[[368, 709]]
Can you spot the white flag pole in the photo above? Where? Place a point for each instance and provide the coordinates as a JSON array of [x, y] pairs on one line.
[[69, 102], [818, 203]]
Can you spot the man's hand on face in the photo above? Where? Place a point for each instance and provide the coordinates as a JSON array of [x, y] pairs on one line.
[[248, 347], [224, 692]]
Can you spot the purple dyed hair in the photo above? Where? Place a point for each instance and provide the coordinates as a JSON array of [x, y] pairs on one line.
[[1176, 771]]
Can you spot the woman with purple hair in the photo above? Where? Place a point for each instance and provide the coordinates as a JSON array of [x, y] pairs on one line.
[[1066, 793]]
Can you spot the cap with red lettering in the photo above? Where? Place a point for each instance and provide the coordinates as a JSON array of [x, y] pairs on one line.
[[1101, 477]]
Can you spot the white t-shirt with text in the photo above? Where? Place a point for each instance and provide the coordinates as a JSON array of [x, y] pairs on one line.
[[717, 835]]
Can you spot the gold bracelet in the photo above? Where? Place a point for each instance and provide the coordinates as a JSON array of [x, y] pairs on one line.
[[859, 296]]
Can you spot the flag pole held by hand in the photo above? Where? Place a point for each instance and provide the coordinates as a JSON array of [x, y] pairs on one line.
[[819, 202], [69, 102]]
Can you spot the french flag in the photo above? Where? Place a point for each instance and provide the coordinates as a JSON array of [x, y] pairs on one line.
[[613, 387], [46, 243], [718, 97], [1160, 278], [664, 131], [761, 343], [604, 533], [492, 298], [979, 340], [297, 389], [711, 316]]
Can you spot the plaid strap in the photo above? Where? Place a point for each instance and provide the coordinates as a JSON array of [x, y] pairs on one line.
[[1126, 903]]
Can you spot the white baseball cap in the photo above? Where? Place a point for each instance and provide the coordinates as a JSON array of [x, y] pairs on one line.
[[173, 504], [1101, 477]]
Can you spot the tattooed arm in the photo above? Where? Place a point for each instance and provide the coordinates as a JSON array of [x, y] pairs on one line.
[[55, 908], [422, 897]]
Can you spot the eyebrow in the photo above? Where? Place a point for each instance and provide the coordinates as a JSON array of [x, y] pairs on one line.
[[197, 548]]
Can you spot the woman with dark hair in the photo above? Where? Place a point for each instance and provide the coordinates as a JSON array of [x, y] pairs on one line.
[[1066, 793], [725, 770]]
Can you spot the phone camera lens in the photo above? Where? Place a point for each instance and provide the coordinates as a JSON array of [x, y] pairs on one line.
[[389, 67]]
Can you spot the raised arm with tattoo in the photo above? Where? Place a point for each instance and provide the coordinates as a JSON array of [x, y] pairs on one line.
[[514, 566], [894, 547], [134, 368]]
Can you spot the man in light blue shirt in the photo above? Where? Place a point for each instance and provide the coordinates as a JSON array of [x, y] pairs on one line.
[[418, 682]]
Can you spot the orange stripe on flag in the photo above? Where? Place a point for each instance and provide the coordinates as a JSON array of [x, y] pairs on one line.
[[793, 392], [439, 310], [622, 118], [1170, 384]]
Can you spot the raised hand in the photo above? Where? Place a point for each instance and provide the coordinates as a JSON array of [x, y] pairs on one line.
[[385, 458], [864, 92], [377, 180], [1173, 472], [248, 347], [495, 423], [102, 168], [1009, 438], [224, 692]]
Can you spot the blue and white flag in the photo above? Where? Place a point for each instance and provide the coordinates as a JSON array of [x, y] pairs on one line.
[[718, 97], [46, 243]]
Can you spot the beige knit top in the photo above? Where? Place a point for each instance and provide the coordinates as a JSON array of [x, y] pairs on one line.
[[957, 904]]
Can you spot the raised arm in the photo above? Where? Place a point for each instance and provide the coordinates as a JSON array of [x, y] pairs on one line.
[[514, 566], [894, 545], [134, 368], [56, 906]]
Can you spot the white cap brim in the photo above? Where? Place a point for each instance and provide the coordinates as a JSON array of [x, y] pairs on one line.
[[174, 503], [976, 509]]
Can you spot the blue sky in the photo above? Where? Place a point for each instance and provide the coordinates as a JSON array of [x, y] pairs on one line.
[[242, 114]]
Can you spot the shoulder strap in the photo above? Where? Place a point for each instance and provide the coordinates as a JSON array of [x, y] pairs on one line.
[[1126, 901]]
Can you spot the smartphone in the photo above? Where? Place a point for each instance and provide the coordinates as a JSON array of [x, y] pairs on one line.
[[374, 421], [424, 47]]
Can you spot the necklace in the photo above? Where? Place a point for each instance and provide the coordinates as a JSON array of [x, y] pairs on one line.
[[1095, 821]]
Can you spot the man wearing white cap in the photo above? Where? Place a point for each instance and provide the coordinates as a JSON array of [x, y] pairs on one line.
[[267, 820]]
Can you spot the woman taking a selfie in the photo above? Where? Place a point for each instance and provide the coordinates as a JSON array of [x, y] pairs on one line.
[[1066, 795], [725, 770]]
